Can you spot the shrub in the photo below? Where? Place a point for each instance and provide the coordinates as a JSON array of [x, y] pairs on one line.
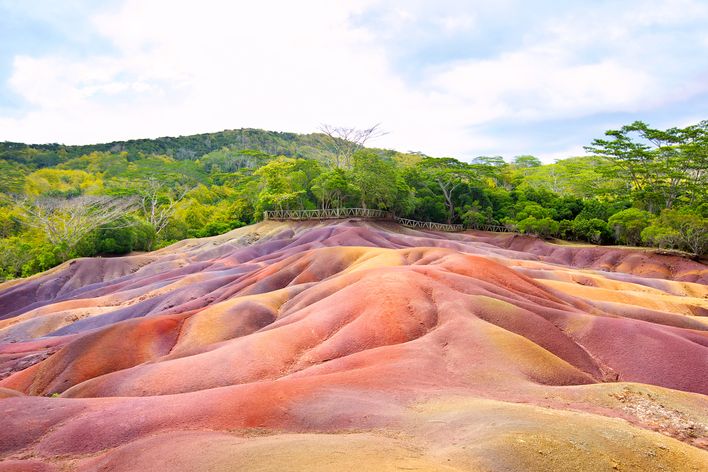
[[682, 229], [593, 230], [628, 225], [532, 209], [544, 227]]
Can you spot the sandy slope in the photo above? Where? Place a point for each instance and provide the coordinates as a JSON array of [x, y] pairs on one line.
[[351, 345]]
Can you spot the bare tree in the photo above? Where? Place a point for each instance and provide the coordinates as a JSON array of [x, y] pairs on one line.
[[344, 142], [158, 204], [66, 221]]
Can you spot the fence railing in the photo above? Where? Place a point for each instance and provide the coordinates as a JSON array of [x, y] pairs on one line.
[[335, 213], [327, 214], [428, 225], [495, 228]]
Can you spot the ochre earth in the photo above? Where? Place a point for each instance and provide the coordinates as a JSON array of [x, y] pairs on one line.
[[353, 345]]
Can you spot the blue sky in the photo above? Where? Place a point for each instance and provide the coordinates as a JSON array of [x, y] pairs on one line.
[[458, 78]]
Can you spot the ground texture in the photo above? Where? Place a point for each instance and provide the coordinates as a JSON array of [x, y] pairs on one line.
[[353, 345]]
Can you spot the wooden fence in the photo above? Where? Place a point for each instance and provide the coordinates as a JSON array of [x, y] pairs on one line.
[[336, 213], [328, 214], [495, 228], [428, 225]]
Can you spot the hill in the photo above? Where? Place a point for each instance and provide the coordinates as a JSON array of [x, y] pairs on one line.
[[308, 146], [350, 344]]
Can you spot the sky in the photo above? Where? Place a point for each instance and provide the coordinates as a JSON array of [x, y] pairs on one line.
[[444, 77]]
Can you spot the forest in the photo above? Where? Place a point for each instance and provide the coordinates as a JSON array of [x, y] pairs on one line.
[[637, 186]]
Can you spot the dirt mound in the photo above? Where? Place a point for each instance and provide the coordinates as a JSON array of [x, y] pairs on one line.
[[336, 345]]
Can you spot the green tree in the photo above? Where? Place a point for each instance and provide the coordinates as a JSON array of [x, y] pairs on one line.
[[526, 161], [544, 227], [333, 189], [62, 183], [284, 184], [375, 179], [628, 225], [683, 228], [449, 174], [593, 230], [12, 177], [662, 166]]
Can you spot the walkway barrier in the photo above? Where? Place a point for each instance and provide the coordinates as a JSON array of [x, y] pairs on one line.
[[336, 213], [429, 225], [328, 214], [495, 228]]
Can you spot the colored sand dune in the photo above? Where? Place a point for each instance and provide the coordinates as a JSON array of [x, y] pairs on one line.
[[353, 345]]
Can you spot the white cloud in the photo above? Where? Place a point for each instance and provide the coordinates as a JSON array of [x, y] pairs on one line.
[[671, 12], [181, 68], [532, 85], [206, 68], [456, 23]]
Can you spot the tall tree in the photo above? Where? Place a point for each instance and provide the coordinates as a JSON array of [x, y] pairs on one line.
[[284, 183], [662, 166], [490, 169], [375, 179], [449, 174], [694, 149], [525, 161], [332, 188]]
